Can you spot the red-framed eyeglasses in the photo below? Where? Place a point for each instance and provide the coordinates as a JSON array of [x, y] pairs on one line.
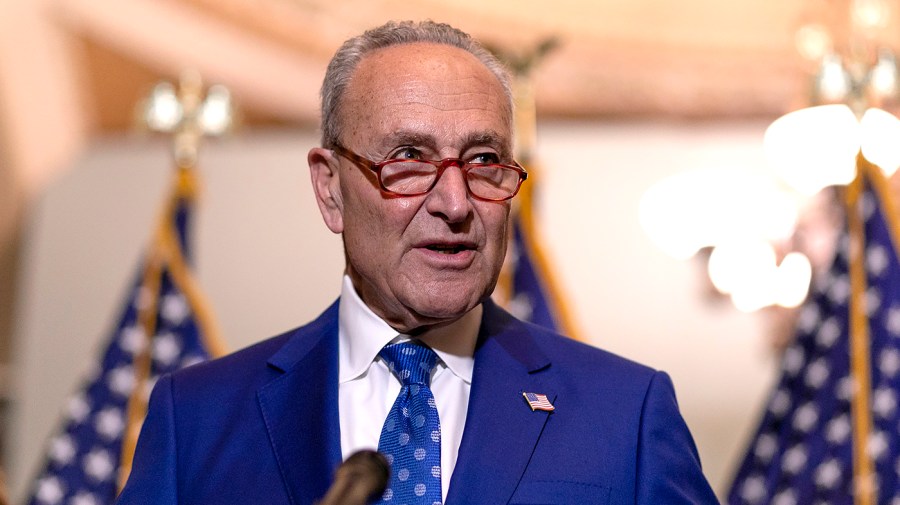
[[494, 182]]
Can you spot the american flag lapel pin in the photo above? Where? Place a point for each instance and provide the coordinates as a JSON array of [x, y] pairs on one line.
[[538, 401]]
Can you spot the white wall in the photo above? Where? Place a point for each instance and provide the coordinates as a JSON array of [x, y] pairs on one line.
[[267, 263]]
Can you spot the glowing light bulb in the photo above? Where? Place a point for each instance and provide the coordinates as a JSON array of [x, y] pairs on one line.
[[833, 82], [813, 42], [792, 280], [870, 14], [739, 265], [883, 79], [662, 211], [163, 111], [880, 136], [216, 113], [704, 208], [815, 147]]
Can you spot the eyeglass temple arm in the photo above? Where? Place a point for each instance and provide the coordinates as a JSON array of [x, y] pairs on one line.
[[355, 158]]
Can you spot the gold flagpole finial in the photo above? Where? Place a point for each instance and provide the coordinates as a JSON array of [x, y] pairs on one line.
[[522, 66], [188, 114]]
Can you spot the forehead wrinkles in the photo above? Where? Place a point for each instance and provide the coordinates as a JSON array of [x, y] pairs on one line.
[[457, 93], [382, 98]]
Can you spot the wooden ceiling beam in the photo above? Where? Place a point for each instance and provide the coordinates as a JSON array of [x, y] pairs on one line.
[[170, 37]]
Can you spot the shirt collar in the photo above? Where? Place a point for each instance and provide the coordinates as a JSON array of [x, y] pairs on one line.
[[362, 334]]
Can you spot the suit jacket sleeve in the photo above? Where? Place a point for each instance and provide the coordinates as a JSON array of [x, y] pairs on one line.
[[668, 464], [152, 480]]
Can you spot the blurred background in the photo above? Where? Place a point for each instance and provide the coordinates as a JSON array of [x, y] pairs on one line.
[[651, 118]]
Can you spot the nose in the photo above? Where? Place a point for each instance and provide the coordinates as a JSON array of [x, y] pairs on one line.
[[449, 198]]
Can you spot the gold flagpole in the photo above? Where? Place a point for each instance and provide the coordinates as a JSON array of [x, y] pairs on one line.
[[864, 486]]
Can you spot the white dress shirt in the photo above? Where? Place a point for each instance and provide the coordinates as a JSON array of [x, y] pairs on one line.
[[367, 389]]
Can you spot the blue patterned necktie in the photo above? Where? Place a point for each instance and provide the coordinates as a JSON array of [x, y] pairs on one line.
[[411, 436]]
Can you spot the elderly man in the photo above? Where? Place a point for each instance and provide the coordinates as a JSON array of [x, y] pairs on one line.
[[470, 405]]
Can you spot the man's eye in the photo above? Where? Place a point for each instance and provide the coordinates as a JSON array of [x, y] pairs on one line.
[[485, 158], [406, 153]]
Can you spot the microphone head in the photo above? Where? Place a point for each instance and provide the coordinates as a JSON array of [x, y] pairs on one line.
[[370, 469]]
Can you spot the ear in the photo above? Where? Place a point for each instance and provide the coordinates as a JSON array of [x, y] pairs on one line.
[[323, 170]]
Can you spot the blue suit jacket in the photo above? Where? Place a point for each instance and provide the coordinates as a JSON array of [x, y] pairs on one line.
[[261, 426]]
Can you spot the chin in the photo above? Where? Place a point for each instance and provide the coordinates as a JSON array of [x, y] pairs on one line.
[[447, 304], [445, 313]]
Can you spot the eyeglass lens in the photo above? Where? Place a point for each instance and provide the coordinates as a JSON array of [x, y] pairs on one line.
[[493, 182]]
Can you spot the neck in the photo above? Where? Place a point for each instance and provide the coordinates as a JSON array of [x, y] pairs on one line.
[[458, 337]]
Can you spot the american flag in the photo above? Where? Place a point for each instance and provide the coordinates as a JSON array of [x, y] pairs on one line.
[[804, 451], [530, 300], [162, 327], [538, 401]]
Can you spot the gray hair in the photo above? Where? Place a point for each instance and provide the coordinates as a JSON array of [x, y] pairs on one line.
[[346, 59]]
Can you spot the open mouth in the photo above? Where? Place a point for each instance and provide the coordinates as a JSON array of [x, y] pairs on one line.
[[448, 248]]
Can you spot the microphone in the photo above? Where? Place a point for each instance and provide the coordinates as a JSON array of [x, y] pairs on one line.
[[361, 477]]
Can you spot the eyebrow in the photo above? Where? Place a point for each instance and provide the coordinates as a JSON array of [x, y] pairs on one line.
[[488, 138], [405, 137]]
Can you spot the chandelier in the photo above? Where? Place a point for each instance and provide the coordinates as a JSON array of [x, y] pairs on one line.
[[747, 224]]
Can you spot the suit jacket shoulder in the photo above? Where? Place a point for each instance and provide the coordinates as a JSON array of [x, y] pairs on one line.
[[614, 436], [245, 369], [251, 427]]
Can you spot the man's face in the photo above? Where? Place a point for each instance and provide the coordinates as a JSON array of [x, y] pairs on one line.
[[423, 260]]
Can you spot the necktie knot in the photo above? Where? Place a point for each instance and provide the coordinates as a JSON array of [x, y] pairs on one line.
[[411, 363]]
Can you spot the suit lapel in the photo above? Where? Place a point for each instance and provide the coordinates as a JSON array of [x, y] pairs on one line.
[[501, 430], [300, 408]]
